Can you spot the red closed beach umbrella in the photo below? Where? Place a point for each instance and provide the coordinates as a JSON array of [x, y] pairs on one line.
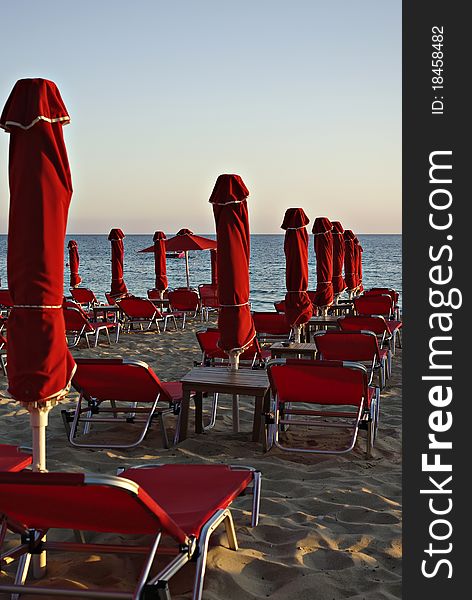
[[232, 232], [214, 268], [40, 366], [118, 286], [298, 306], [75, 278], [350, 265], [160, 263], [339, 285], [358, 250], [322, 230]]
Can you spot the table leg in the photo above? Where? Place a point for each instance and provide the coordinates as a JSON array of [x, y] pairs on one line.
[[256, 428], [235, 413], [182, 424], [198, 399]]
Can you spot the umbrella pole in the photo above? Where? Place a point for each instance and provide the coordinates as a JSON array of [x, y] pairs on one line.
[[297, 332], [187, 271], [39, 422], [234, 366]]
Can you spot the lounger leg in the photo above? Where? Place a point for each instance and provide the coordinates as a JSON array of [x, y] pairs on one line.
[[183, 321], [214, 408], [203, 551], [230, 532], [21, 572], [256, 498]]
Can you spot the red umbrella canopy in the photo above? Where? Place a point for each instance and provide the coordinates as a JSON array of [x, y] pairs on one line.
[[322, 229], [75, 278], [358, 258], [298, 306], [339, 284], [186, 240], [40, 366], [232, 231], [118, 286], [350, 267]]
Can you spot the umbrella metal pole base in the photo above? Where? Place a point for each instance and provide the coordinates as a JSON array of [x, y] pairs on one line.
[[297, 333], [336, 298], [234, 366], [39, 421]]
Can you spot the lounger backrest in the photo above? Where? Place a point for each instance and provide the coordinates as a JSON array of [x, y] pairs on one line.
[[271, 323], [184, 299], [85, 503], [376, 324], [157, 294], [319, 382], [209, 295], [381, 304], [83, 296], [376, 291], [347, 345], [75, 319], [208, 342], [117, 379], [5, 299], [138, 308]]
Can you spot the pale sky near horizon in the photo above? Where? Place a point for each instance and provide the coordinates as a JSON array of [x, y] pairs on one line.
[[300, 98]]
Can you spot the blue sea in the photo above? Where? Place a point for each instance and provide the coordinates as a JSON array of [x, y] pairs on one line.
[[382, 265]]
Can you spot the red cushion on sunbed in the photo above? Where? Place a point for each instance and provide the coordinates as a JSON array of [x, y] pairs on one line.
[[191, 494], [11, 459]]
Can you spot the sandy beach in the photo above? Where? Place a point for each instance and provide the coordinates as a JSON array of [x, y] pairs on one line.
[[330, 526]]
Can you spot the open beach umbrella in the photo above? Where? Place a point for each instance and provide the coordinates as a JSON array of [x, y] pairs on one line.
[[118, 286], [358, 250], [40, 366], [160, 264], [322, 230], [185, 241], [339, 285], [350, 266], [232, 232], [75, 278], [298, 306]]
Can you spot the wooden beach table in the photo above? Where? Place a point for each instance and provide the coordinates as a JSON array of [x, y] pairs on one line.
[[104, 310], [293, 349], [245, 382], [321, 322]]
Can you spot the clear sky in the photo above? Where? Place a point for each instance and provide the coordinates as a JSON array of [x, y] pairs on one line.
[[302, 98]]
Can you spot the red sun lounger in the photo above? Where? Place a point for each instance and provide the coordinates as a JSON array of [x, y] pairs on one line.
[[355, 346], [182, 504], [141, 311], [385, 330], [271, 326], [340, 393], [78, 326], [12, 459], [119, 391]]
